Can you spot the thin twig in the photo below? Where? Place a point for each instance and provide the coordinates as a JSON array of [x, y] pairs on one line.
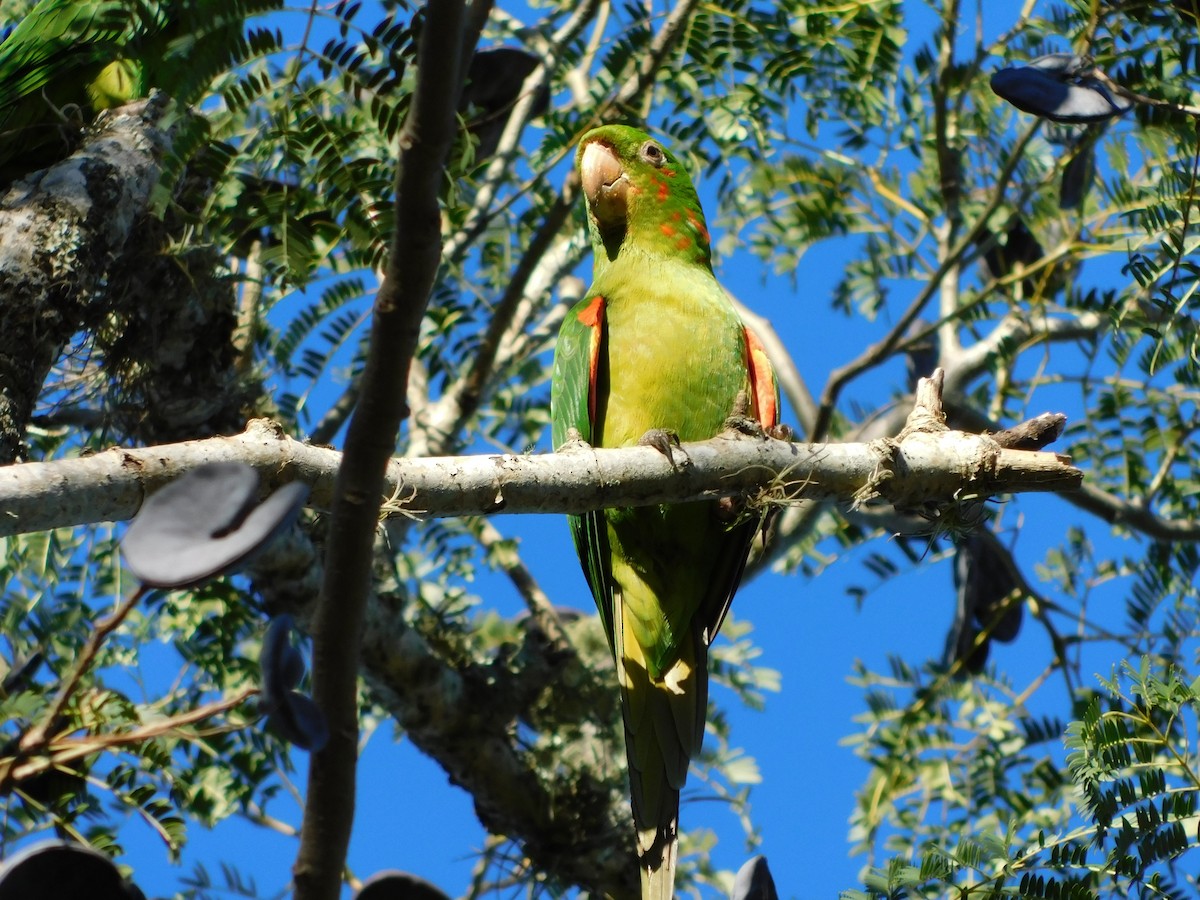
[[882, 350], [35, 737], [60, 753], [536, 600], [1123, 91]]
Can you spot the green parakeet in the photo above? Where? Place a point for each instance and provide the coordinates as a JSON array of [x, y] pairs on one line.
[[63, 52], [656, 344], [89, 55]]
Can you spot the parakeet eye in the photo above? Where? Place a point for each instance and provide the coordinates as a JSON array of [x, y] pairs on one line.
[[653, 154]]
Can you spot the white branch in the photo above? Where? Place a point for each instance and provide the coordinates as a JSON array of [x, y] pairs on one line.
[[923, 468]]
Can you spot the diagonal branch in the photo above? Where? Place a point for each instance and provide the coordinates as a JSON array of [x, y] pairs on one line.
[[66, 231], [461, 401]]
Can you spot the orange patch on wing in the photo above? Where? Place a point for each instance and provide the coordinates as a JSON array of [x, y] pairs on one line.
[[683, 243], [664, 190], [762, 380], [696, 222], [668, 229], [592, 316]]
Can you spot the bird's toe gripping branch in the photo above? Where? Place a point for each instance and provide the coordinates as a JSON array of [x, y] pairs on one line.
[[781, 432], [740, 419], [665, 442], [573, 442]]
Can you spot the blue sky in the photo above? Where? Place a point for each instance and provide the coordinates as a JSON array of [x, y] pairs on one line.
[[813, 632]]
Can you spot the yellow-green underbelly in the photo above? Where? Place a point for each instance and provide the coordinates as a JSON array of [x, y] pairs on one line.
[[675, 359]]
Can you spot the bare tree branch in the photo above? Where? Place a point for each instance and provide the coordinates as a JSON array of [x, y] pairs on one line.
[[110, 485], [1016, 328]]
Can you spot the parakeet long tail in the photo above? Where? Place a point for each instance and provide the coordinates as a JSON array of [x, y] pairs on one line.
[[664, 728]]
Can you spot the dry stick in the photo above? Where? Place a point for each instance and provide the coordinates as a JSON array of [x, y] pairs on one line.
[[1158, 102], [877, 353], [424, 144], [35, 737], [77, 748], [1108, 507]]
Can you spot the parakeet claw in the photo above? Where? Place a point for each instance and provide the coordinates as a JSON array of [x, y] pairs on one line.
[[781, 432], [740, 419], [665, 442], [746, 425], [741, 406], [574, 441]]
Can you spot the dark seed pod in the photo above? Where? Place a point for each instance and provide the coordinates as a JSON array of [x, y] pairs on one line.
[[395, 885], [205, 524], [985, 579], [1060, 87], [1077, 177], [493, 87], [282, 664], [65, 872], [754, 881], [293, 715], [300, 721]]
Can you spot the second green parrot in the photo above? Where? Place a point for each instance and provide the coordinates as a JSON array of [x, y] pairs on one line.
[[97, 54], [656, 345]]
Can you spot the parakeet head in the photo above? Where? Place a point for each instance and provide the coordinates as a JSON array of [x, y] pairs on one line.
[[639, 196]]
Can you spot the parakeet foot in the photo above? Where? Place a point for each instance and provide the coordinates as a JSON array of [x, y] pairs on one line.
[[665, 442], [745, 425], [740, 420], [574, 441]]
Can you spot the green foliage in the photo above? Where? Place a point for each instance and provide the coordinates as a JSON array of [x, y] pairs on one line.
[[998, 790]]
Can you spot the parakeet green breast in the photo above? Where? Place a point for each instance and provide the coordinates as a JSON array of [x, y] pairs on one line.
[[683, 365]]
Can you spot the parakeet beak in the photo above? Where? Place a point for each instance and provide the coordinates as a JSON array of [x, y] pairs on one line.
[[605, 183]]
